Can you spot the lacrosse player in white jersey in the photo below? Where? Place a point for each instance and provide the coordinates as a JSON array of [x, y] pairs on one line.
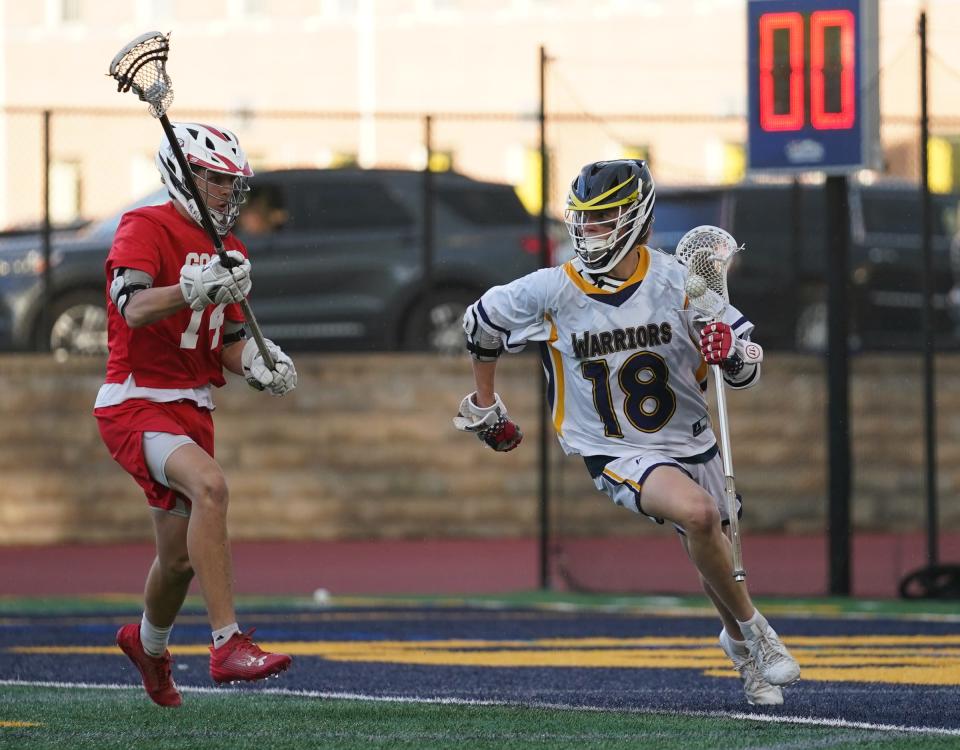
[[626, 370]]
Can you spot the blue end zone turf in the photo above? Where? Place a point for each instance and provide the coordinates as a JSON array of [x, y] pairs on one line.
[[875, 670]]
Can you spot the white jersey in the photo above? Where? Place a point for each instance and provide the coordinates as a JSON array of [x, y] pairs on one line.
[[624, 369]]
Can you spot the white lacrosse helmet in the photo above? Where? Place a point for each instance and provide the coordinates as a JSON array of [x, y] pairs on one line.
[[207, 150], [616, 199]]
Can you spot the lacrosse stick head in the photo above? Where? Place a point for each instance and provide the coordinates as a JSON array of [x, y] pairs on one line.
[[707, 251], [141, 66]]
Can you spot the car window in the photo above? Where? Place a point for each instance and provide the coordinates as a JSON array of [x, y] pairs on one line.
[[346, 204], [104, 229], [762, 224], [482, 205], [899, 213], [266, 211], [675, 215]]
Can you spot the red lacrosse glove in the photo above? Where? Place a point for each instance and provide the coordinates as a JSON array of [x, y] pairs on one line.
[[503, 436], [716, 343]]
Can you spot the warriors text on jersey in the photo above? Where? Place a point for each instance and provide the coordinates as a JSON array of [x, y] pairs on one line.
[[181, 351], [624, 370]]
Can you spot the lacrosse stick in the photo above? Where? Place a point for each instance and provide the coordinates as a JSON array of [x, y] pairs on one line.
[[707, 251], [140, 66]]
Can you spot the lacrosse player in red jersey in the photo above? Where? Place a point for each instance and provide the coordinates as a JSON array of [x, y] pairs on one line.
[[626, 370], [173, 326]]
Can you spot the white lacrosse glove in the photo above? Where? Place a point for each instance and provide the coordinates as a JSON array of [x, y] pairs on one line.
[[214, 284], [281, 380], [490, 423]]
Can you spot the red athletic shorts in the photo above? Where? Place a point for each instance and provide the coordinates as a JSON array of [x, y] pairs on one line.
[[122, 427]]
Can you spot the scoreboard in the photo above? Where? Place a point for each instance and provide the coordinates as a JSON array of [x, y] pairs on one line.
[[813, 85]]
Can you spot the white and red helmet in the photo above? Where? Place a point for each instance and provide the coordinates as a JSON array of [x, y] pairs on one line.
[[207, 149]]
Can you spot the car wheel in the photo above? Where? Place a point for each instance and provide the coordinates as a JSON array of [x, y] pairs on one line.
[[435, 324], [78, 325]]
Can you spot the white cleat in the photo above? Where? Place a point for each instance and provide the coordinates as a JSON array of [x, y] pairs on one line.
[[759, 692], [770, 656]]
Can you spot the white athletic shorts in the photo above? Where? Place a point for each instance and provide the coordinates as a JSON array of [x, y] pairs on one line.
[[157, 447], [622, 480]]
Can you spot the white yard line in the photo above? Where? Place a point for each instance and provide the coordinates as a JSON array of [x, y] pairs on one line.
[[766, 718]]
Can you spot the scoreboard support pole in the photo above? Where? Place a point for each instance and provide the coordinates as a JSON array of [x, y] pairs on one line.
[[838, 382], [814, 107]]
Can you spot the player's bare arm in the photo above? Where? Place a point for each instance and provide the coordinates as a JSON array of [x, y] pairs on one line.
[[484, 373], [483, 412], [231, 355], [152, 304]]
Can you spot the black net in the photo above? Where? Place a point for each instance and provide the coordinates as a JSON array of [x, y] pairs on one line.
[[141, 66]]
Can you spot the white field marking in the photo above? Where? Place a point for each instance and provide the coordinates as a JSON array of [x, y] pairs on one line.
[[766, 718]]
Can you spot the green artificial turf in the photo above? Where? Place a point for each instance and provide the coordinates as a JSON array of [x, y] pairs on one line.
[[100, 718]]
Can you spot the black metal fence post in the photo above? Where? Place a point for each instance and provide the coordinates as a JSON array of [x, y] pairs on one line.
[[44, 345], [427, 239], [545, 582]]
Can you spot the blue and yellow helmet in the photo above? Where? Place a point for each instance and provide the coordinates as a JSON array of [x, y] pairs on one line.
[[609, 209]]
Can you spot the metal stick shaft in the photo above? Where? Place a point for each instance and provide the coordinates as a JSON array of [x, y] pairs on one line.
[[215, 237], [729, 486]]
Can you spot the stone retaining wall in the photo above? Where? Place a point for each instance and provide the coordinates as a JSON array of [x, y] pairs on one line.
[[365, 449]]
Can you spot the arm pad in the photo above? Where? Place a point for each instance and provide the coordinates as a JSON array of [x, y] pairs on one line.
[[127, 282], [482, 345]]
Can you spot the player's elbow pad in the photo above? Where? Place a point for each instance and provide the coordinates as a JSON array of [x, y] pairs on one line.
[[126, 283], [482, 345]]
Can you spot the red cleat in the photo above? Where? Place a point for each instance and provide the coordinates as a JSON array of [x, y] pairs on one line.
[[155, 670], [240, 659]]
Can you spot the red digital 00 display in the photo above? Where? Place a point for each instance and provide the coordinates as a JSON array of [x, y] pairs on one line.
[[790, 25], [812, 84]]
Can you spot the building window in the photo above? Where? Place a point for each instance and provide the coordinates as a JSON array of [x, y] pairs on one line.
[[246, 8], [65, 192], [143, 175], [150, 11], [338, 8], [64, 11]]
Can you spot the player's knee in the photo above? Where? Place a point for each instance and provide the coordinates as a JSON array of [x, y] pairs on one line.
[[178, 568], [212, 493], [700, 514]]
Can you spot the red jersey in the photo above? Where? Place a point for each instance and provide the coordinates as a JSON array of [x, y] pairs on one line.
[[182, 350]]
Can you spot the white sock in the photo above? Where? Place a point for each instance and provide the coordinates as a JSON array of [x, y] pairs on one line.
[[753, 622], [739, 646], [223, 635], [153, 639]]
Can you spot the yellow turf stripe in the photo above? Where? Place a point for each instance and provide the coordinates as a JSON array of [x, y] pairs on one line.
[[921, 660], [20, 724]]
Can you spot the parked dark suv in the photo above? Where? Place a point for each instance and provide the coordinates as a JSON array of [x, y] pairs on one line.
[[779, 280], [337, 258]]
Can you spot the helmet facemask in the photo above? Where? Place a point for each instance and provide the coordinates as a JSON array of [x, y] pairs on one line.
[[602, 237], [223, 195]]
